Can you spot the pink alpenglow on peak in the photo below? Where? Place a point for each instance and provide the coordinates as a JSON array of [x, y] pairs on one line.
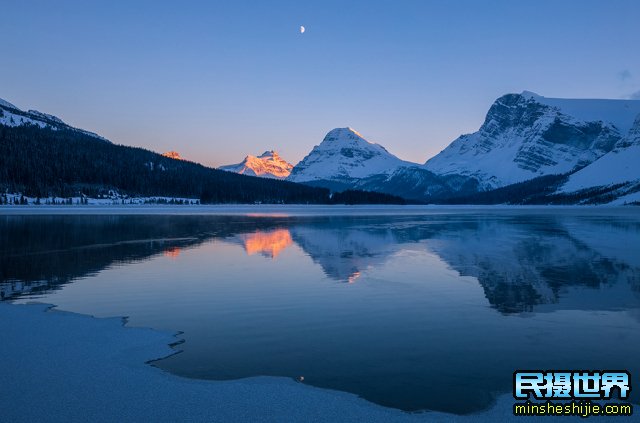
[[267, 165], [173, 155]]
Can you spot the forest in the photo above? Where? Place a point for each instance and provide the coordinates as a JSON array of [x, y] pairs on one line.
[[43, 162]]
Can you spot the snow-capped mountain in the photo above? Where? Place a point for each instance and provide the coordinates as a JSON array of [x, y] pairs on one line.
[[343, 158], [11, 115], [526, 135], [619, 170], [268, 165]]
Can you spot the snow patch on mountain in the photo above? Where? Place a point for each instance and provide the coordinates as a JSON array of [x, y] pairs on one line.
[[11, 115], [267, 165], [620, 166], [620, 113], [5, 103], [526, 135], [344, 156], [45, 116]]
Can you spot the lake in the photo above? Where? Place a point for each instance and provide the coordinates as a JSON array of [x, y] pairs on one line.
[[410, 308]]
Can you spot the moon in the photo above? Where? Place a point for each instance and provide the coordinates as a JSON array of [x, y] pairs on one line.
[[302, 29]]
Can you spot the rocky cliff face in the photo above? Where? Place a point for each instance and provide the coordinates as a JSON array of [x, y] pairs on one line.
[[525, 136], [617, 173]]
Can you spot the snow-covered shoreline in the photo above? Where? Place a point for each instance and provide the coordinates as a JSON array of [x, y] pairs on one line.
[[60, 366]]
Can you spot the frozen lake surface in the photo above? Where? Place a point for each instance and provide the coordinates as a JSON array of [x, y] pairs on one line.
[[412, 308]]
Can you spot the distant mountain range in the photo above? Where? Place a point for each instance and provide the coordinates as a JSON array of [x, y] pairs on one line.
[[43, 157], [529, 150]]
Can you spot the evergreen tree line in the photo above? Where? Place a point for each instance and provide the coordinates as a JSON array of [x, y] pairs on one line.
[[365, 197], [539, 191], [41, 162], [533, 191]]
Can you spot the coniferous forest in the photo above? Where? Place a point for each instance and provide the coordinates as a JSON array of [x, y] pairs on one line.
[[42, 162]]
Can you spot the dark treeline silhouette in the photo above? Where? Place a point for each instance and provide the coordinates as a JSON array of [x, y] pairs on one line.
[[534, 191], [43, 162], [540, 190], [365, 197]]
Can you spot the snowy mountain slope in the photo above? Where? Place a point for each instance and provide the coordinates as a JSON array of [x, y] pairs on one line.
[[344, 157], [621, 113], [10, 115], [619, 166], [268, 165], [525, 136], [6, 104]]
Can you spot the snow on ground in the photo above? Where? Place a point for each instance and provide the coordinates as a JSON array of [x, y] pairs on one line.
[[11, 119], [626, 199], [114, 199], [64, 367]]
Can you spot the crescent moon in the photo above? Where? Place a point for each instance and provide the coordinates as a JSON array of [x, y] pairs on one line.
[[302, 29]]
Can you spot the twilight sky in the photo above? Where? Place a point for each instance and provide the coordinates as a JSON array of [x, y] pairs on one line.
[[216, 80]]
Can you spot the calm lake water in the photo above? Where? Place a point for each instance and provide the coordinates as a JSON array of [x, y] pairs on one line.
[[414, 311]]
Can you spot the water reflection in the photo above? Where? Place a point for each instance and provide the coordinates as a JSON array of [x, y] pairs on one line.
[[269, 244], [172, 252], [520, 262], [381, 306]]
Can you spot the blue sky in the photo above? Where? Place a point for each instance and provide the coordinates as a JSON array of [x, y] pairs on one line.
[[219, 80]]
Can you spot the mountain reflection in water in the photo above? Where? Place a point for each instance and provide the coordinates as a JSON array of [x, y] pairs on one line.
[[269, 244], [381, 306]]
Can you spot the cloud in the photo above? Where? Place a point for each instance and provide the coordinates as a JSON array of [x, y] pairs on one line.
[[635, 96], [624, 75]]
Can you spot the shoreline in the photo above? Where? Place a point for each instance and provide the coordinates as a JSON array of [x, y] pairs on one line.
[[80, 368], [286, 210]]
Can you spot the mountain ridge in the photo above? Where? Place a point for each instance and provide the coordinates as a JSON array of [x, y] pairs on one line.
[[529, 150], [10, 115]]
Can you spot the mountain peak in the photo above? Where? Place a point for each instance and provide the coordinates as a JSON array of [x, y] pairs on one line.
[[269, 153], [527, 135], [268, 165], [530, 94], [173, 155], [347, 133], [344, 155]]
